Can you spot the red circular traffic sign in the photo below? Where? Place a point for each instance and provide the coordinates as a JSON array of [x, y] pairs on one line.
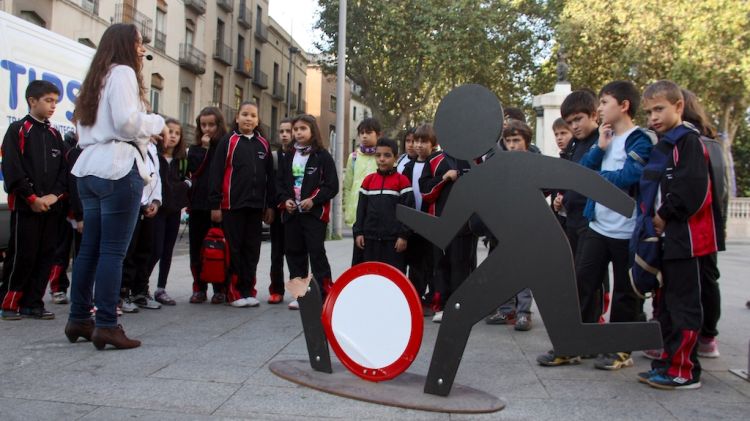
[[373, 321]]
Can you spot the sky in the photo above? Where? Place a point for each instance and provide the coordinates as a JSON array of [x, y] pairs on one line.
[[298, 18]]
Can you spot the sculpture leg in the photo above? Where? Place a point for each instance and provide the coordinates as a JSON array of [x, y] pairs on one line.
[[310, 310]]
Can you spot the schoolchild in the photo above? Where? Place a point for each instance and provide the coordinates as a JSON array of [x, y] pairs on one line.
[[677, 195], [710, 292], [134, 290], [242, 188], [210, 129], [276, 289], [361, 164], [419, 254], [579, 110], [376, 230], [410, 153], [454, 264], [175, 185], [306, 183], [516, 138], [620, 154], [563, 139], [68, 234], [35, 177]]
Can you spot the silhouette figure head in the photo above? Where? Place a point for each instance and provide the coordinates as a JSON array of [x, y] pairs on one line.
[[468, 121]]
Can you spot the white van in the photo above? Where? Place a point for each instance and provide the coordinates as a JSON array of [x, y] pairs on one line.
[[29, 52]]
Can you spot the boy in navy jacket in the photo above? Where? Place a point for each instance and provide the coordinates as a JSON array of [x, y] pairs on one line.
[[35, 179], [682, 217]]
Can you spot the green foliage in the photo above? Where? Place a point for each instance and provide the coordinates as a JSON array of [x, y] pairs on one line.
[[407, 54], [702, 45], [741, 154]]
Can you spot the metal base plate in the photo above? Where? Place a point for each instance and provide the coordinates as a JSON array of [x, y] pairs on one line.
[[741, 373], [405, 391]]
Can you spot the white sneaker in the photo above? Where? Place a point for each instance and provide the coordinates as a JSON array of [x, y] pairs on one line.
[[128, 306], [294, 305], [438, 317], [252, 302], [59, 298], [145, 301], [239, 303]]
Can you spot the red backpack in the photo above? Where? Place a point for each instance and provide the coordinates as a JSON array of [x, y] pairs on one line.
[[214, 257]]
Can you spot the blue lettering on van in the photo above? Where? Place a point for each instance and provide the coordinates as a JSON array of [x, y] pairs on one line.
[[68, 91]]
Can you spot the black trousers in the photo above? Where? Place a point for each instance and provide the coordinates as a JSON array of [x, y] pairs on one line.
[[597, 251], [304, 239], [358, 255], [454, 265], [199, 223], [679, 312], [242, 229], [277, 256], [419, 258], [166, 228], [384, 251], [710, 295], [31, 248], [135, 267], [67, 238]]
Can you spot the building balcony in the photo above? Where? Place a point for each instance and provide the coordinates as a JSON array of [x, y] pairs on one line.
[[242, 69], [302, 107], [229, 113], [245, 18], [197, 6], [223, 52], [260, 79], [292, 101], [91, 6], [225, 5], [261, 32], [192, 59], [126, 13], [160, 40], [279, 91]]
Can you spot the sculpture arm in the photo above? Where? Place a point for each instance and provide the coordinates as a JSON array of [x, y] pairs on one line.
[[440, 230], [565, 175]]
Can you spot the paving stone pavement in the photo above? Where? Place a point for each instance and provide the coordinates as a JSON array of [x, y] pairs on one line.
[[211, 362]]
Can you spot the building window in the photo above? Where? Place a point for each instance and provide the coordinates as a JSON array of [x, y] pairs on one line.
[[333, 103], [239, 96], [155, 99], [258, 16], [220, 31], [91, 6], [186, 106], [189, 35], [240, 52], [160, 33], [256, 100], [299, 97], [218, 89], [354, 114], [274, 122]]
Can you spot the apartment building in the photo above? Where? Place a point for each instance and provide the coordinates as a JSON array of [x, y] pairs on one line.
[[205, 52], [321, 91]]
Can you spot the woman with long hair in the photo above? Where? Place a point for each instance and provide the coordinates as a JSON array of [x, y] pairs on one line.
[[114, 131]]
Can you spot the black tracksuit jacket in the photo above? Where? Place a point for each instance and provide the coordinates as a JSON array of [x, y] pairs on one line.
[[33, 162]]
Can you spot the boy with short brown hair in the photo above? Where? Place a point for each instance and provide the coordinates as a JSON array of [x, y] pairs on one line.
[[676, 199]]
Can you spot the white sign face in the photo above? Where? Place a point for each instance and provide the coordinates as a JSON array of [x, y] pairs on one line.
[[371, 321]]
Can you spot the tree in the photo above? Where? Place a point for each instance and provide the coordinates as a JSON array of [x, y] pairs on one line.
[[701, 45], [407, 54]]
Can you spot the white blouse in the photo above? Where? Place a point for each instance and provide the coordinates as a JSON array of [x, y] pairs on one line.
[[120, 118]]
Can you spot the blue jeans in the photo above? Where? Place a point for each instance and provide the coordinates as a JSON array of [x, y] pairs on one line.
[[110, 211]]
